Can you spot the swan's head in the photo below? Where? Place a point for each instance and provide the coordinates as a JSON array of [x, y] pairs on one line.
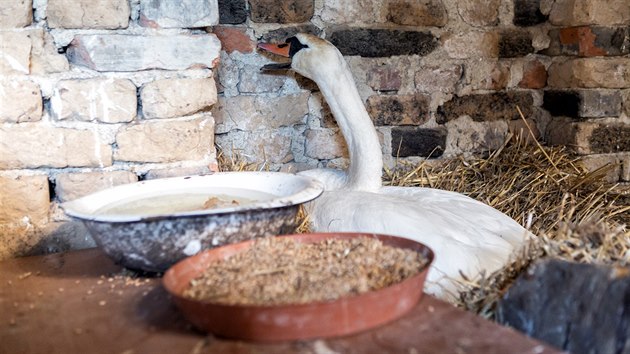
[[310, 55]]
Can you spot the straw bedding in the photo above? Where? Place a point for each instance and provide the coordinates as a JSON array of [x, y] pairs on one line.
[[576, 215]]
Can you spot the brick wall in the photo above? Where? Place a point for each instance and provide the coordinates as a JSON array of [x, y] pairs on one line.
[[95, 94], [106, 92], [438, 77]]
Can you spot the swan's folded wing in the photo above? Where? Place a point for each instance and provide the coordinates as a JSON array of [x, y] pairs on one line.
[[458, 206], [467, 245]]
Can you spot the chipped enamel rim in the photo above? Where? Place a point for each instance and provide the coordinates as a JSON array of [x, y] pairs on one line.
[[290, 190]]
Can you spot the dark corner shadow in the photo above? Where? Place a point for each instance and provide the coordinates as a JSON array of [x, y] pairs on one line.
[[160, 313], [68, 251]]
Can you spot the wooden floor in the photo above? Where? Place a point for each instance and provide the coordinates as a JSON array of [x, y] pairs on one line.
[[80, 302]]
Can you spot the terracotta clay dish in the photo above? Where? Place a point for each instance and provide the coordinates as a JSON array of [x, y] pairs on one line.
[[343, 316]]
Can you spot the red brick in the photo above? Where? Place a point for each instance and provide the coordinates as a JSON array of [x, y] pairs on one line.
[[586, 43], [534, 75], [234, 39], [589, 41], [384, 79]]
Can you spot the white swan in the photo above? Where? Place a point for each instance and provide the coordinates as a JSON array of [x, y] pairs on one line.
[[467, 236]]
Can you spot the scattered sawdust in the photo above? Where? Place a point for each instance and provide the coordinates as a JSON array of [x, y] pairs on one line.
[[25, 275], [278, 270]]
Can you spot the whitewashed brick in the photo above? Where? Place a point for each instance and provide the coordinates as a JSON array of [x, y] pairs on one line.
[[179, 14], [166, 141], [259, 146], [110, 14], [15, 52], [325, 144], [252, 80], [44, 56], [24, 199], [258, 112], [177, 97], [16, 13], [70, 186], [180, 171], [104, 100], [34, 145], [20, 101], [121, 52], [346, 11]]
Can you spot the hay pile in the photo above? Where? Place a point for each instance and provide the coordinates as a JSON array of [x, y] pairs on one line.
[[576, 215]]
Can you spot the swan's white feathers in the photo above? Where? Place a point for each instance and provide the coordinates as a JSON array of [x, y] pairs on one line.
[[466, 235], [331, 178], [484, 217]]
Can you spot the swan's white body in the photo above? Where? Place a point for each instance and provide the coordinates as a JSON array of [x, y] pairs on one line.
[[467, 236]]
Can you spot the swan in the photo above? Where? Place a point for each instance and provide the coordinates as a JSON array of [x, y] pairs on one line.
[[468, 237]]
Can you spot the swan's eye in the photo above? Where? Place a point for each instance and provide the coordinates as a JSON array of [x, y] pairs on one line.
[[295, 44]]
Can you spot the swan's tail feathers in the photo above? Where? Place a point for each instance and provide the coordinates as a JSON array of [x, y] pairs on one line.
[[443, 287]]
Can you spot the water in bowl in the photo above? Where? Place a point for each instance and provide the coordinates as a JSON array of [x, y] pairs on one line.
[[183, 202]]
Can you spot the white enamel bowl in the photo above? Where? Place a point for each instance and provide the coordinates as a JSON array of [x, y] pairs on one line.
[[150, 225]]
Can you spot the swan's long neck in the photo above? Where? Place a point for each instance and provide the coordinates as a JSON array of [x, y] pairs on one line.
[[366, 161]]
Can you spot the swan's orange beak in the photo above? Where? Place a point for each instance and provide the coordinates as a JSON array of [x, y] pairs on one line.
[[281, 49]]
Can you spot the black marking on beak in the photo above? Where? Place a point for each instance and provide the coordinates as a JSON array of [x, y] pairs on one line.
[[276, 66]]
